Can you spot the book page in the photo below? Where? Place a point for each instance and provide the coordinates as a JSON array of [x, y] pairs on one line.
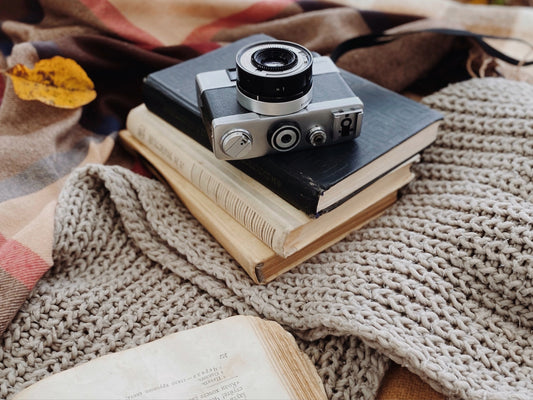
[[224, 360]]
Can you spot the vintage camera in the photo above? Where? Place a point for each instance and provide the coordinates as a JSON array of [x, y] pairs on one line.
[[279, 98]]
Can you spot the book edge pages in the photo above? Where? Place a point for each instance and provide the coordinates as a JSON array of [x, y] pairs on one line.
[[296, 371]]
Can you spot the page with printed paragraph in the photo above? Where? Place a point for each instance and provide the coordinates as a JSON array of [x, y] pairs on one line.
[[224, 360]]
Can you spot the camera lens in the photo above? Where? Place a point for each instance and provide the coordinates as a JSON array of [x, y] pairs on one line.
[[274, 77], [274, 59]]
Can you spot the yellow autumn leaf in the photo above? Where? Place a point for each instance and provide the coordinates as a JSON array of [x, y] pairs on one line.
[[58, 81]]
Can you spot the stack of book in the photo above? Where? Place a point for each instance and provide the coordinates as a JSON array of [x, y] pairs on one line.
[[273, 212]]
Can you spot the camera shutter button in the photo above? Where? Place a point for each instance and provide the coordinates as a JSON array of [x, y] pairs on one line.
[[236, 143]]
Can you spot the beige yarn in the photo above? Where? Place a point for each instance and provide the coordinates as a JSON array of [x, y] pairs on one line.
[[442, 283]]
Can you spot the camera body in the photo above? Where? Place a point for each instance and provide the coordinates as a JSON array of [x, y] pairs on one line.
[[279, 98]]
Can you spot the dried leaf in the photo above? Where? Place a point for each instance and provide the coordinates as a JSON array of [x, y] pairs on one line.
[[58, 81]]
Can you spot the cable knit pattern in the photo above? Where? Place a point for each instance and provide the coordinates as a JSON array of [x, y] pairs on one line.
[[441, 283]]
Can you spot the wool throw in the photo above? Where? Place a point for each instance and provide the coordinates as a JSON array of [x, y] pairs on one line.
[[119, 42], [441, 283]]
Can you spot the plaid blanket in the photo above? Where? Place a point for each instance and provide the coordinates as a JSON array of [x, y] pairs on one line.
[[118, 42]]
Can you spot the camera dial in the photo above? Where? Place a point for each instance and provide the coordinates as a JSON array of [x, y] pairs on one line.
[[274, 78], [317, 136], [236, 143]]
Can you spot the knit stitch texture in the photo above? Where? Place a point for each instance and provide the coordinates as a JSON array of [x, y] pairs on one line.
[[441, 283]]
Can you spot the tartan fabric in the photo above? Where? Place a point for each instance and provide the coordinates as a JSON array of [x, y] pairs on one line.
[[118, 42]]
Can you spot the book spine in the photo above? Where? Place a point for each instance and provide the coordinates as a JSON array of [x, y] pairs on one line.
[[240, 203]]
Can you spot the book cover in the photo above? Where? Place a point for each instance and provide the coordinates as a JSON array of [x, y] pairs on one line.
[[317, 180]]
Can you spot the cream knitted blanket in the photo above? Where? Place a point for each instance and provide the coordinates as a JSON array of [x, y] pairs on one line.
[[442, 283]]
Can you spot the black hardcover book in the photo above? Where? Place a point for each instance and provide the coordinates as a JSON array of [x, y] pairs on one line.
[[394, 129]]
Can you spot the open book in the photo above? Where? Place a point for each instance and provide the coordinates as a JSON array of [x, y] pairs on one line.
[[240, 357]]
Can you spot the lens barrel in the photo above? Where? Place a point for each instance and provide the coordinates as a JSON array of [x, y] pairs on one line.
[[274, 78]]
